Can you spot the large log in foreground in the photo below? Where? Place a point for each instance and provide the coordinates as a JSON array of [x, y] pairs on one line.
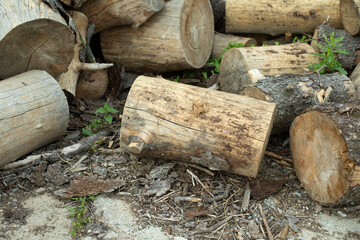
[[111, 13], [238, 64], [33, 36], [278, 16], [350, 15], [178, 37], [325, 147], [295, 94], [173, 121], [33, 112]]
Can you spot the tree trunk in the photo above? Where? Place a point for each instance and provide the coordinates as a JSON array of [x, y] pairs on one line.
[[111, 13], [278, 16], [350, 15], [238, 64], [325, 146], [347, 61], [168, 120], [294, 94], [177, 38], [221, 41], [33, 113], [33, 36]]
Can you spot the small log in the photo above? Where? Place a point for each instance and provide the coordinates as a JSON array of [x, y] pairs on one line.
[[277, 17], [221, 41], [177, 38], [167, 120], [295, 94], [355, 78], [325, 146], [33, 113], [238, 64], [33, 36], [350, 15], [92, 85], [106, 14], [347, 61]]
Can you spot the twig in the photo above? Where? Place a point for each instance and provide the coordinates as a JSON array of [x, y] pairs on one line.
[[219, 197], [198, 180], [187, 199], [271, 154], [283, 234], [271, 237], [309, 73], [215, 226], [201, 168]]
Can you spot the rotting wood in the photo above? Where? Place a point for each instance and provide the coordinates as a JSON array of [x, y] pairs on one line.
[[278, 16], [179, 37], [173, 121], [106, 14], [325, 147], [350, 15], [33, 36], [33, 112]]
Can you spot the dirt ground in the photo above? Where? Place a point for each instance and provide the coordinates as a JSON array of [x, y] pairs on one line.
[[165, 200]]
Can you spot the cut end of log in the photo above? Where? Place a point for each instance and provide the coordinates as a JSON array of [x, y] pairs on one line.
[[197, 31], [321, 156], [350, 16]]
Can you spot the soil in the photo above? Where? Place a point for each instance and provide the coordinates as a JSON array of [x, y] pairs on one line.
[[152, 199]]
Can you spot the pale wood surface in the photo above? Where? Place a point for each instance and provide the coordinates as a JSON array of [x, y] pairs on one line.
[[221, 41], [325, 150], [350, 14], [295, 94], [178, 37], [174, 121], [237, 63], [33, 36], [355, 77], [110, 13], [278, 16], [33, 113]]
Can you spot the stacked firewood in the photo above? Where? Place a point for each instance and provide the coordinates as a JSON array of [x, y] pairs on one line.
[[269, 89]]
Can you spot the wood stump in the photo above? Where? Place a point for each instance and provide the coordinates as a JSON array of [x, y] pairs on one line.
[[106, 14], [355, 78], [33, 113], [295, 94], [221, 41], [238, 64], [177, 38], [277, 17], [33, 36], [173, 121], [350, 15], [325, 146]]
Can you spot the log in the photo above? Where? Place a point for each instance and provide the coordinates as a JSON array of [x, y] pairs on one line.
[[350, 15], [221, 41], [177, 38], [33, 36], [294, 94], [355, 78], [325, 147], [238, 64], [277, 17], [167, 120], [218, 7], [106, 14], [92, 85], [350, 43], [73, 3], [33, 113]]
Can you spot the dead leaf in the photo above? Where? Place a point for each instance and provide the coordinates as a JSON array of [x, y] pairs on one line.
[[196, 212], [263, 188]]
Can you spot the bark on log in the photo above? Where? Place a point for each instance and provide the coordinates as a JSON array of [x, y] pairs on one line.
[[355, 78], [221, 41], [168, 120], [295, 94], [277, 17], [218, 7], [325, 147], [238, 64], [350, 15], [33, 112], [92, 85], [177, 38], [349, 43], [106, 14], [33, 36]]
